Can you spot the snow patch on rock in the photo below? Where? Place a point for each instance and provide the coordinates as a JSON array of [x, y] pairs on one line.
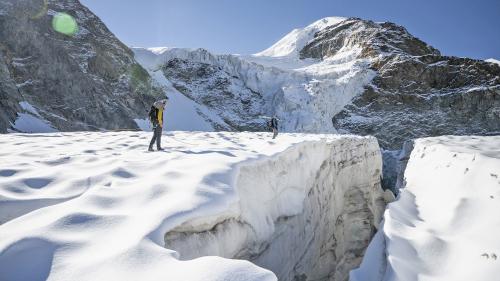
[[29, 108], [493, 61], [28, 123]]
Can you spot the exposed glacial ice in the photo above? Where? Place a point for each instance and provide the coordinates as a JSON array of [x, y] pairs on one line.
[[304, 93]]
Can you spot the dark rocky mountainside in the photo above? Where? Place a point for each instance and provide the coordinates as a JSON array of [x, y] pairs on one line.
[[211, 86], [416, 92], [86, 81]]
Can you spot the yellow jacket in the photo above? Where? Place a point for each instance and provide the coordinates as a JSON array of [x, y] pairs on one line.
[[160, 117]]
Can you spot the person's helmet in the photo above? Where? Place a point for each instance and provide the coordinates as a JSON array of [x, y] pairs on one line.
[[164, 101]]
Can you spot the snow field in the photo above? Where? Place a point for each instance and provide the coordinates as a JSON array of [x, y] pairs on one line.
[[96, 206], [445, 224]]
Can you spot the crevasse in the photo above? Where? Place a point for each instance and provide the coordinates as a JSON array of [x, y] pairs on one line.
[[305, 214]]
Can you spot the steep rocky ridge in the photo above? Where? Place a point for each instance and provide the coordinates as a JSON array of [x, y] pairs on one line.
[[417, 92], [83, 82]]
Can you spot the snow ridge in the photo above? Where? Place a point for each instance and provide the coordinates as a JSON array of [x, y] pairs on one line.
[[293, 42]]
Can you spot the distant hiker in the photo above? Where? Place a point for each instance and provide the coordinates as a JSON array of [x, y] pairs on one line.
[[273, 125], [156, 118]]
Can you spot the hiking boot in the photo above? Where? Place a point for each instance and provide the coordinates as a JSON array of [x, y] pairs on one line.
[[150, 149], [160, 149]]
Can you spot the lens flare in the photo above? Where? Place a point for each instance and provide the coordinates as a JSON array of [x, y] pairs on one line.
[[65, 24]]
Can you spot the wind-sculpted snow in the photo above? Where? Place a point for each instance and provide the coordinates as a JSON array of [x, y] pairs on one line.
[[445, 224], [96, 206]]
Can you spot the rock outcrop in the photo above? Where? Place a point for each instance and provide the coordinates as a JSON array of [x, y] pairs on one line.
[[83, 81], [416, 92], [207, 84]]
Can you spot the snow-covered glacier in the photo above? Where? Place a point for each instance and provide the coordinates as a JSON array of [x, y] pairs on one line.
[[212, 206], [240, 89], [445, 224]]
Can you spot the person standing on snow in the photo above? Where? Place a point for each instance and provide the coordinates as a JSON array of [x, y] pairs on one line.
[[273, 125], [156, 118]]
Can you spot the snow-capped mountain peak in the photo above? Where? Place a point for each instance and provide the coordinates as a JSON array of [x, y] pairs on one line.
[[492, 60], [293, 42]]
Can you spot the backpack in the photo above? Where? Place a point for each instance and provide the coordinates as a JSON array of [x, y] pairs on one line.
[[152, 115]]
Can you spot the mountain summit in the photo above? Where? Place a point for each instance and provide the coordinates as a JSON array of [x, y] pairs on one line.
[[294, 41]]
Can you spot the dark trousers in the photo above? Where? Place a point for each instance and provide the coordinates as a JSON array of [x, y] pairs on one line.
[[156, 137], [275, 132]]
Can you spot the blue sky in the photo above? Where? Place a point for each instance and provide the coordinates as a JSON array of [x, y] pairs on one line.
[[468, 28]]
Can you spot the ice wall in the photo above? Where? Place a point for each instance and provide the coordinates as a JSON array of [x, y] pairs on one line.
[[306, 214], [305, 94]]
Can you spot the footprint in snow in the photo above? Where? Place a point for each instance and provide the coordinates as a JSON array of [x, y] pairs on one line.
[[487, 256], [422, 156], [37, 183], [494, 175], [466, 170]]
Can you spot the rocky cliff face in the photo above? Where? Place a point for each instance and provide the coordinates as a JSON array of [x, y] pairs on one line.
[[207, 84], [84, 81], [417, 92]]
